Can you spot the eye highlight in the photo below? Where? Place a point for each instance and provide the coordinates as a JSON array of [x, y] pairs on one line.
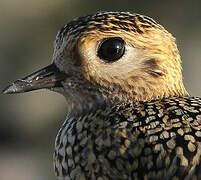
[[111, 49]]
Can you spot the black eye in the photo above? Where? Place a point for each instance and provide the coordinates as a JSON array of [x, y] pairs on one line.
[[111, 49]]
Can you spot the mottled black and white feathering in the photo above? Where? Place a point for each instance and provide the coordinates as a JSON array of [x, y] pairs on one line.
[[148, 140], [129, 115]]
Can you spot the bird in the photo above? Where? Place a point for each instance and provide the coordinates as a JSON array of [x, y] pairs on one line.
[[129, 114]]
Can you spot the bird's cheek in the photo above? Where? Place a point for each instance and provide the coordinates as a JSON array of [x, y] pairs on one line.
[[69, 84]]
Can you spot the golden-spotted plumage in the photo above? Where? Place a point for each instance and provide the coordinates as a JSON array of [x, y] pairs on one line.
[[148, 140], [129, 115]]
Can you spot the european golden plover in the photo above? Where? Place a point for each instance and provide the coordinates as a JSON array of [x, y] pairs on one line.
[[129, 115]]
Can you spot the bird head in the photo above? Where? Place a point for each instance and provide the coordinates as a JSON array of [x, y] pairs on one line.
[[111, 55]]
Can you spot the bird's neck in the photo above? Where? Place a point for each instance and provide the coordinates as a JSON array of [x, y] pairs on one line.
[[82, 103]]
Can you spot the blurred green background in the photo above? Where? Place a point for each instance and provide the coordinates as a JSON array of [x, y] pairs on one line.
[[29, 122]]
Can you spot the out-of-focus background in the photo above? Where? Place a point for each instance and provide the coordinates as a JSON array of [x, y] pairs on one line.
[[29, 122]]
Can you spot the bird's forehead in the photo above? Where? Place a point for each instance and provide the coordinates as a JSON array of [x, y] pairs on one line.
[[103, 22]]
